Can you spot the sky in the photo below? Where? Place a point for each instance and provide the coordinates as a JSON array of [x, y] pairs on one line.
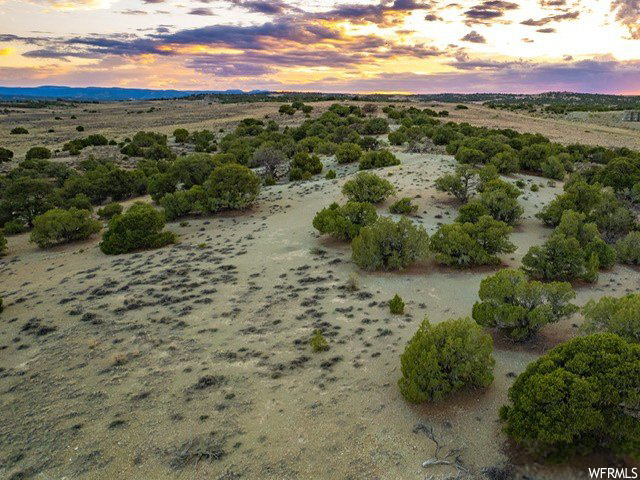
[[391, 46]]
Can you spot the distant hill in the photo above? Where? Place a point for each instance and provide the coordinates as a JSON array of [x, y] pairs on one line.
[[105, 93]]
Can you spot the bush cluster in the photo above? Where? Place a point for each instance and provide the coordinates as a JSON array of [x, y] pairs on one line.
[[229, 187], [575, 251], [140, 227], [389, 245], [63, 226], [442, 359], [577, 398], [469, 244], [519, 307], [345, 222], [367, 187], [614, 315]]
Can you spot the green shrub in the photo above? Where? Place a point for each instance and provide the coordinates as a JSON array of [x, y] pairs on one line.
[[80, 128], [614, 315], [471, 244], [367, 187], [5, 155], [535, 187], [460, 184], [398, 137], [470, 156], [63, 226], [574, 251], [3, 244], [348, 153], [181, 135], [140, 227], [19, 131], [553, 168], [303, 165], [378, 159], [578, 398], [14, 227], [345, 222], [38, 153], [403, 207], [389, 245], [318, 343], [231, 187], [396, 305], [520, 307], [26, 198], [628, 249], [109, 211], [501, 201], [506, 162], [442, 359], [331, 174]]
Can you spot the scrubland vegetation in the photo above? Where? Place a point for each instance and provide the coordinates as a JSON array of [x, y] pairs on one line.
[[575, 399]]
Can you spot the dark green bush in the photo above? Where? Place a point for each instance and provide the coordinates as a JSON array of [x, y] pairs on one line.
[[140, 227], [403, 206], [614, 315], [63, 226], [229, 187], [367, 187], [344, 222], [109, 211], [26, 198], [5, 155], [578, 398], [628, 249], [378, 159], [471, 244], [442, 359], [38, 153], [303, 163], [19, 131], [396, 305], [574, 251], [331, 174], [3, 244], [519, 307], [348, 153], [389, 245]]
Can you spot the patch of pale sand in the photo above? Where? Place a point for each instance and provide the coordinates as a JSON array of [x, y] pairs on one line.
[[275, 418]]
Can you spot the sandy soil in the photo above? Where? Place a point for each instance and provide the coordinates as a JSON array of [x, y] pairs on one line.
[[192, 361]]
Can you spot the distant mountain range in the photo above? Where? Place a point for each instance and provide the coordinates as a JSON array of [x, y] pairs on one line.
[[105, 93]]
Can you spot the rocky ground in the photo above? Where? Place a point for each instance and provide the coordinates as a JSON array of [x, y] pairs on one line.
[[192, 361]]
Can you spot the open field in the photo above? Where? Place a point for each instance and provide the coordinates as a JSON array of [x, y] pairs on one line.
[[192, 361], [122, 119]]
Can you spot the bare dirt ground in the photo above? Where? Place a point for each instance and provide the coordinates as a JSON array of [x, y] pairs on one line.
[[192, 361]]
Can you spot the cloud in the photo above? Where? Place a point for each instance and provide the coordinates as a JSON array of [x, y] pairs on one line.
[[204, 11], [384, 14], [268, 7], [551, 18], [628, 14], [546, 30], [589, 76], [474, 37], [487, 11]]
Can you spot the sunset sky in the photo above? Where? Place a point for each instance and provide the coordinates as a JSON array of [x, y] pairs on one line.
[[416, 46]]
